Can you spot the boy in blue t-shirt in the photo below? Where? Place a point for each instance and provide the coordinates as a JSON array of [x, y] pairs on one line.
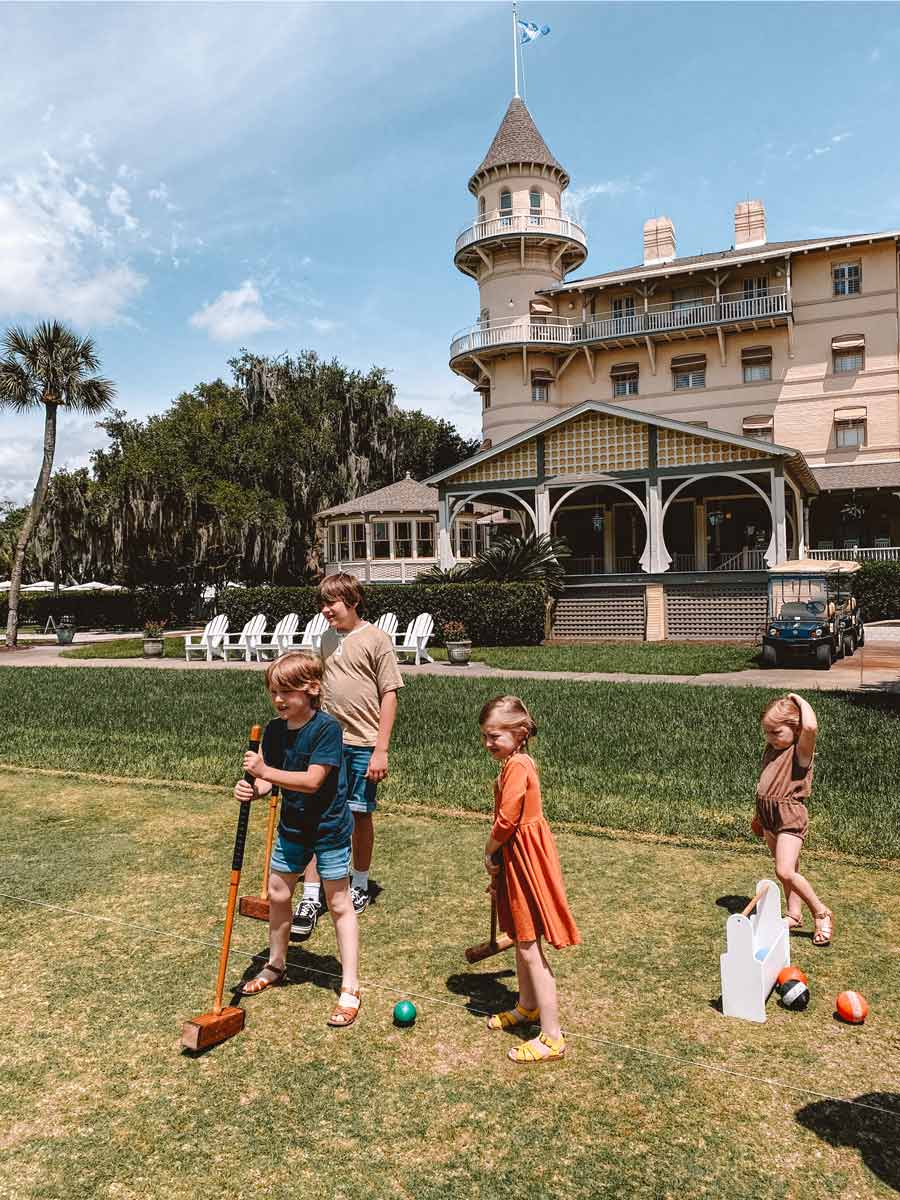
[[301, 752]]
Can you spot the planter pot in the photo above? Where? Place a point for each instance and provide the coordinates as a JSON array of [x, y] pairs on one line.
[[153, 647], [459, 653], [65, 634]]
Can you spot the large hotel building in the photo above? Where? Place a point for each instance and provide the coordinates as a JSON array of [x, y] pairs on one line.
[[685, 423]]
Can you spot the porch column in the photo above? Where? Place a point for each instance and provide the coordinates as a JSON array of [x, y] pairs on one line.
[[542, 509], [444, 547], [370, 549], [655, 557], [778, 545], [805, 506], [700, 560], [609, 539]]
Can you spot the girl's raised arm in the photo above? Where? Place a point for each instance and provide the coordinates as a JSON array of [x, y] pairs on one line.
[[809, 727]]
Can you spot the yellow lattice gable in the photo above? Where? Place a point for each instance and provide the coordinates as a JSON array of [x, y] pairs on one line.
[[677, 449], [596, 442], [518, 463]]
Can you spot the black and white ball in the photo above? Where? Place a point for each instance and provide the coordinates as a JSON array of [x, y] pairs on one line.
[[795, 995]]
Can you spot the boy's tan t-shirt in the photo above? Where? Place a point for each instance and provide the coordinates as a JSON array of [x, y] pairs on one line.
[[359, 668]]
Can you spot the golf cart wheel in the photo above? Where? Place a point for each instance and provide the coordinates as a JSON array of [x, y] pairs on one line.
[[769, 656], [823, 656], [849, 645], [838, 651], [861, 636]]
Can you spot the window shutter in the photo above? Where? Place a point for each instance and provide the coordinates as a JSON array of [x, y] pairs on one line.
[[689, 362], [627, 368], [850, 414], [849, 341], [756, 354]]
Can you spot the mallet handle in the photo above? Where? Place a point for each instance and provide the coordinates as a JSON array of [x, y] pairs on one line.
[[748, 909], [270, 841], [237, 862]]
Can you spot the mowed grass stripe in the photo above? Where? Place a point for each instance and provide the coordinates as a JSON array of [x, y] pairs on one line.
[[656, 758]]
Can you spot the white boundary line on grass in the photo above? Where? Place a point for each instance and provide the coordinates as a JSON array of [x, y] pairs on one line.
[[380, 985]]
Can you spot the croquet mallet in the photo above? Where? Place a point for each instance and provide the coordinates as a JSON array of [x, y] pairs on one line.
[[258, 906], [495, 944], [213, 1027]]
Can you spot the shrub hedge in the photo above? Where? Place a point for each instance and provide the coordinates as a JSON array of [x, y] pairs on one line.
[[877, 589], [494, 614], [102, 610]]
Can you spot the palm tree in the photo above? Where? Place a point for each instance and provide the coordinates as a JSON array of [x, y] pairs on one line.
[[52, 366]]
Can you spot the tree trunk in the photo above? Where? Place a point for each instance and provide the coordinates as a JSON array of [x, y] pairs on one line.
[[37, 503]]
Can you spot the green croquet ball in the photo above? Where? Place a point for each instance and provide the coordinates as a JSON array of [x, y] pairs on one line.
[[404, 1012]]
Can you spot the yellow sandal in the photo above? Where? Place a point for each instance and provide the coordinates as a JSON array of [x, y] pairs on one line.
[[526, 1053], [512, 1017]]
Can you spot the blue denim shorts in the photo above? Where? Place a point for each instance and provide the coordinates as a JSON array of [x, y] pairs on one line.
[[292, 858], [360, 791]]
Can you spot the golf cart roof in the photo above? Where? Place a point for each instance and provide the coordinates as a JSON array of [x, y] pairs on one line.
[[815, 566]]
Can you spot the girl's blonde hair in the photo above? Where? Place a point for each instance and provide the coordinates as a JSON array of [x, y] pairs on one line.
[[784, 710], [293, 671], [512, 712]]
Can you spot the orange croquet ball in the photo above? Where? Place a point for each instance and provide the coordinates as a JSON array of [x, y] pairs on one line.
[[852, 1007], [788, 975]]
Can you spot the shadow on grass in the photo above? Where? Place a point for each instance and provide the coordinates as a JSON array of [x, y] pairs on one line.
[[486, 990], [876, 1135], [873, 698], [321, 970], [733, 904]]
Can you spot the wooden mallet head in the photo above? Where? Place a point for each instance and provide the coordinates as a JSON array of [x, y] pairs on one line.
[[475, 954]]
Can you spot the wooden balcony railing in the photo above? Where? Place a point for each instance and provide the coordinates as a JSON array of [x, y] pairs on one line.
[[859, 554], [504, 223]]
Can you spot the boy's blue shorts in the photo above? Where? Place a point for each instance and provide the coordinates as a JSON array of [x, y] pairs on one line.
[[292, 858], [360, 791]]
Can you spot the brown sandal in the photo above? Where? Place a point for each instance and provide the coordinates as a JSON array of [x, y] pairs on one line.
[[794, 922], [345, 1014], [254, 986], [824, 931]]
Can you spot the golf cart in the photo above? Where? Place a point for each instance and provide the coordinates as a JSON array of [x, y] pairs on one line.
[[812, 613]]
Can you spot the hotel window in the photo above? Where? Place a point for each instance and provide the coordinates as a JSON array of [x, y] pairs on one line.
[[759, 286], [403, 539], [465, 540], [481, 208], [358, 535], [846, 279], [332, 543], [689, 371], [625, 377], [686, 298], [623, 308], [381, 540], [540, 387], [756, 362], [534, 207], [848, 354], [849, 428], [482, 537], [505, 207], [425, 539], [762, 427], [343, 542], [485, 396]]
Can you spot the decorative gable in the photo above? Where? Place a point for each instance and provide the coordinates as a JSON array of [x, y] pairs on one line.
[[518, 463], [678, 449], [595, 442]]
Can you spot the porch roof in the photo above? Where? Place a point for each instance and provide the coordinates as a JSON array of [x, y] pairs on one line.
[[858, 475], [692, 436]]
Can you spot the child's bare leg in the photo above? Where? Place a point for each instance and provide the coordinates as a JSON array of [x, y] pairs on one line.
[[346, 928], [363, 840], [787, 856], [281, 889], [791, 898], [537, 983], [311, 874]]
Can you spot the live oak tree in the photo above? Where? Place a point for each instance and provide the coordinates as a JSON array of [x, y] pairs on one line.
[[51, 367]]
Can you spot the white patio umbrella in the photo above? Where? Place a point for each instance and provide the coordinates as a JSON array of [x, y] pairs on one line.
[[42, 585]]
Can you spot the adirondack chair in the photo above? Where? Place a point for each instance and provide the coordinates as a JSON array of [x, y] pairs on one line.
[[311, 636], [243, 645], [416, 638], [387, 622], [209, 642], [279, 639]]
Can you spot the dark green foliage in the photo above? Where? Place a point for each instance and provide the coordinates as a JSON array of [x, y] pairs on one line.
[[512, 558], [877, 589], [495, 614], [104, 610]]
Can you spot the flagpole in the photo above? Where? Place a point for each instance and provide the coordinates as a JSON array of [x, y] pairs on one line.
[[515, 16]]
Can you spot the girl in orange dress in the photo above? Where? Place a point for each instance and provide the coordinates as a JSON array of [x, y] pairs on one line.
[[528, 887]]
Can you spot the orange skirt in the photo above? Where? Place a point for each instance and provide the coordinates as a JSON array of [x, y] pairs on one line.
[[531, 895]]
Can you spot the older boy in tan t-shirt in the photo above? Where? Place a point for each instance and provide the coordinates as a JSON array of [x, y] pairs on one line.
[[360, 690]]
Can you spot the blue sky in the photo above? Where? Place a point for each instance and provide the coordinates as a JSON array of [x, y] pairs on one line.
[[182, 180]]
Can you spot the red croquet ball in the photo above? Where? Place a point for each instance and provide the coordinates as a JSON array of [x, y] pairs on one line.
[[852, 1007], [788, 974]]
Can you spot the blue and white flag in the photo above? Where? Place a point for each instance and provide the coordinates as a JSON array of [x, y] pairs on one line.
[[530, 32]]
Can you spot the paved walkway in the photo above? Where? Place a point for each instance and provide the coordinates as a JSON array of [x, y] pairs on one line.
[[876, 667]]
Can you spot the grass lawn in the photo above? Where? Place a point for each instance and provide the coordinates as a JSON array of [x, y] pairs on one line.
[[633, 658], [650, 758], [132, 647], [660, 1096]]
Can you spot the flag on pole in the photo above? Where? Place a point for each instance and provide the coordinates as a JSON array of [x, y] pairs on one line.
[[530, 32]]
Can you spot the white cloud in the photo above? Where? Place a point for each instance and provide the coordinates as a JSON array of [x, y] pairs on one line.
[[20, 454], [233, 315], [52, 254], [88, 151], [323, 325], [818, 151], [129, 174], [48, 114], [119, 204], [841, 137], [874, 55], [577, 199], [161, 194]]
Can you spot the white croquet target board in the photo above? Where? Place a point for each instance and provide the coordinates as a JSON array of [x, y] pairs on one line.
[[757, 948]]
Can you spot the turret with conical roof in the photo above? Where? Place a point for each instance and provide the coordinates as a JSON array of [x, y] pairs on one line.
[[520, 243]]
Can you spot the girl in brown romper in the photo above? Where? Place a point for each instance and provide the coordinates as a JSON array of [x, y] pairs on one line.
[[790, 728]]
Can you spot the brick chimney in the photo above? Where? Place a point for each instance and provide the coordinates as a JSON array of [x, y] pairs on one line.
[[659, 241], [749, 224]]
